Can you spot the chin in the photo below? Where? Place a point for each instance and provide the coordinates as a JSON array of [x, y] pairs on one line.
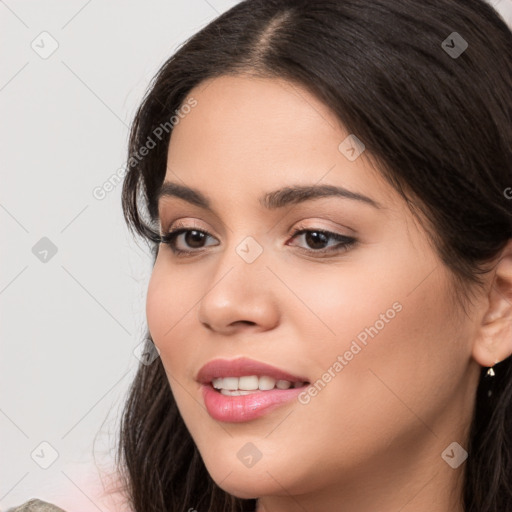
[[246, 486], [231, 475]]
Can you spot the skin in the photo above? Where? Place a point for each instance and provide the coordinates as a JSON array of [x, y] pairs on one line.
[[374, 435]]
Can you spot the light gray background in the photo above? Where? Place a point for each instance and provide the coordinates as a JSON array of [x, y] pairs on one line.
[[69, 325]]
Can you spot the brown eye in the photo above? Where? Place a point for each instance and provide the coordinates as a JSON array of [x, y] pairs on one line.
[[192, 239], [317, 241]]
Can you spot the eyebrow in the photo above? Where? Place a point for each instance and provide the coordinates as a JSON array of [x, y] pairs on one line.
[[271, 200]]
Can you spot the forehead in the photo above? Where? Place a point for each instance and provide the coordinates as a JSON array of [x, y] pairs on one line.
[[258, 110], [252, 133]]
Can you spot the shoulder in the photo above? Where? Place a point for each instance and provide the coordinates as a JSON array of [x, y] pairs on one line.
[[36, 505]]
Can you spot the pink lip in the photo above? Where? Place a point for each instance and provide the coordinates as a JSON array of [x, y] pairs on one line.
[[237, 409], [240, 367]]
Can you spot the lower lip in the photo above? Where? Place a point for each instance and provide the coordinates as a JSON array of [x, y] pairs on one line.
[[237, 409]]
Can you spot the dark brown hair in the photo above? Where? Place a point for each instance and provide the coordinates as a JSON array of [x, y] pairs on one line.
[[439, 126]]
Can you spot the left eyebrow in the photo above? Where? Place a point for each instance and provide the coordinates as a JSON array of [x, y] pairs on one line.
[[271, 200], [298, 194]]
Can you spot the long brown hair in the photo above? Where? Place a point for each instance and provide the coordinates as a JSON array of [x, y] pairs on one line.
[[439, 125]]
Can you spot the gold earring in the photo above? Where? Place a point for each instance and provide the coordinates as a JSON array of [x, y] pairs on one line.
[[490, 371], [490, 374]]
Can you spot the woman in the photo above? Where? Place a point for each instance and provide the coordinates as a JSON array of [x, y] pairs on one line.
[[331, 299], [326, 189]]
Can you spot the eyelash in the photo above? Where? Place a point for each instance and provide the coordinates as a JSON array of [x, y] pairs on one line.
[[345, 242]]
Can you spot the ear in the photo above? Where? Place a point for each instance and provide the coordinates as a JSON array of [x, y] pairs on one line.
[[493, 342]]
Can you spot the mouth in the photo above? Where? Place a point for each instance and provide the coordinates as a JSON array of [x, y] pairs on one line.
[[241, 390]]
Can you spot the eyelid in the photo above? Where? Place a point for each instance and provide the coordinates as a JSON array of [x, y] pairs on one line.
[[171, 218], [315, 224], [183, 224]]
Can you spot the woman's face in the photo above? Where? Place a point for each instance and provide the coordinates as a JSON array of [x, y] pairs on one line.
[[370, 325]]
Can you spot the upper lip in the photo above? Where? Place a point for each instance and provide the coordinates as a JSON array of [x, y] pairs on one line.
[[242, 367]]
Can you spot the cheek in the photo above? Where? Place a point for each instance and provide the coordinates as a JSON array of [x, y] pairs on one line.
[[169, 299], [159, 301], [401, 365], [403, 351]]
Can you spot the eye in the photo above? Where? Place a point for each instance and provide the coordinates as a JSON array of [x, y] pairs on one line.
[[318, 241], [193, 238]]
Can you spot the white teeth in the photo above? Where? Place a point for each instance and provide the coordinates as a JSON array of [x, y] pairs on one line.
[[230, 383], [266, 383], [234, 386], [248, 383], [283, 384], [217, 383]]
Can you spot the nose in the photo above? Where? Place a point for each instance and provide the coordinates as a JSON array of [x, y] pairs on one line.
[[239, 296]]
